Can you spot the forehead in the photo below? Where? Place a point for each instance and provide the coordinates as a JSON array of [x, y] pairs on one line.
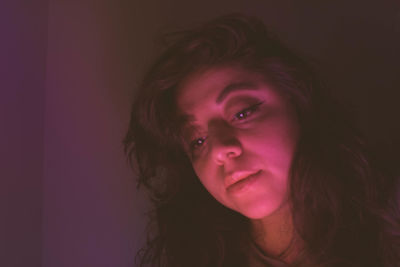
[[206, 85]]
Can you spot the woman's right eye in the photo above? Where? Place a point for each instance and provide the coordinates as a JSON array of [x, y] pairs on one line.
[[197, 143]]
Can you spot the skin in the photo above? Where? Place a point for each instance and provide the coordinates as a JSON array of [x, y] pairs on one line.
[[241, 139]]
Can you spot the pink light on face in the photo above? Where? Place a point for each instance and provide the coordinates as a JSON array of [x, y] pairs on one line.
[[244, 138]]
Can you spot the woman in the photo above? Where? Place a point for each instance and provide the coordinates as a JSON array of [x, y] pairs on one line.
[[249, 162]]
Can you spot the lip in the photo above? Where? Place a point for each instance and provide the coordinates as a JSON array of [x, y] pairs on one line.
[[243, 184], [236, 177]]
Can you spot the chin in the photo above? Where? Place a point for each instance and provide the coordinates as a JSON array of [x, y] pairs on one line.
[[259, 211]]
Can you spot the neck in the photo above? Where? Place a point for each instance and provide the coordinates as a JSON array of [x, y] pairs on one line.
[[274, 234]]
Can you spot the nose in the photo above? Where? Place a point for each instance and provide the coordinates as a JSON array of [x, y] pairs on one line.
[[223, 152], [225, 145]]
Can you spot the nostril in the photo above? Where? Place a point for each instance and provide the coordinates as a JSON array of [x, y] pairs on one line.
[[223, 151]]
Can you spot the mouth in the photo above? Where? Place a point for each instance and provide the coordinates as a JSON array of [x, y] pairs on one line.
[[239, 177]]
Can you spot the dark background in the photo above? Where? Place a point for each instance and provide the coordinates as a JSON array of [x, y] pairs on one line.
[[67, 72]]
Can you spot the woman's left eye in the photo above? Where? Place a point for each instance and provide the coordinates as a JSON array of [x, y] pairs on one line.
[[246, 112]]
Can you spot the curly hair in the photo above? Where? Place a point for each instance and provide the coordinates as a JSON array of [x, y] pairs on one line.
[[334, 192]]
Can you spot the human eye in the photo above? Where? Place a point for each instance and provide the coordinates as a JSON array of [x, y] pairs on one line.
[[197, 143], [245, 113]]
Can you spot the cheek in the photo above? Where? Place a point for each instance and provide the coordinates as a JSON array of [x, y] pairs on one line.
[[209, 178], [274, 143], [200, 169], [204, 174]]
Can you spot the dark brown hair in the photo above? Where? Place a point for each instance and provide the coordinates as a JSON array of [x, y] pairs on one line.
[[333, 189]]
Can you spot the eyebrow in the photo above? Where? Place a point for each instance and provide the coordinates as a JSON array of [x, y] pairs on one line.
[[235, 87]]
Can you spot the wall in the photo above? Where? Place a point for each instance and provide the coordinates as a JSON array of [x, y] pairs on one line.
[[92, 213], [23, 33]]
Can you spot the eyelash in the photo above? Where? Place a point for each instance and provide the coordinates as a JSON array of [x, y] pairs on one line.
[[241, 115], [248, 111]]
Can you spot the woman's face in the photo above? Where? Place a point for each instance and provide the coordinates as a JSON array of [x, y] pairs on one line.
[[241, 138]]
